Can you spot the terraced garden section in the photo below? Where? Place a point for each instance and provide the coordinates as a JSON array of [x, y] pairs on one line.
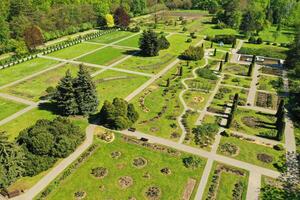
[[267, 100], [19, 71], [74, 51], [263, 50], [271, 84], [128, 170], [9, 107], [226, 182], [33, 89], [111, 84], [250, 151], [238, 81], [105, 56]]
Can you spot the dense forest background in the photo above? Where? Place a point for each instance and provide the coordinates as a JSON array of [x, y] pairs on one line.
[[56, 18]]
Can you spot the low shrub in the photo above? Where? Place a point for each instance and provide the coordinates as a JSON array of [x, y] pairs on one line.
[[264, 158], [193, 53], [207, 74], [278, 147], [226, 39], [191, 162]]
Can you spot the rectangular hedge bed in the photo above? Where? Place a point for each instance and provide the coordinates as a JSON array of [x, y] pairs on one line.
[[263, 50]]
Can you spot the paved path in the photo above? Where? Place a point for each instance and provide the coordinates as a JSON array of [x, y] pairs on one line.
[[252, 90], [17, 114], [253, 189], [17, 99], [114, 45], [46, 180]]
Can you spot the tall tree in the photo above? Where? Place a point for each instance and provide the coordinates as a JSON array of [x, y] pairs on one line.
[[33, 37], [4, 30], [149, 43], [85, 92], [109, 20], [65, 96], [121, 17]]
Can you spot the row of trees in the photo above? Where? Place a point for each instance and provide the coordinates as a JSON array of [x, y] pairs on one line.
[[37, 148]]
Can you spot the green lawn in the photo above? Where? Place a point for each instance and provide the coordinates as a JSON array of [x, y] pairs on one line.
[[22, 70], [225, 96], [286, 35], [248, 152], [209, 29], [263, 50], [9, 107], [112, 37], [237, 69], [35, 87], [254, 123], [74, 51], [13, 127], [171, 186], [227, 181], [111, 84], [196, 99], [130, 42], [236, 81], [269, 83], [104, 56]]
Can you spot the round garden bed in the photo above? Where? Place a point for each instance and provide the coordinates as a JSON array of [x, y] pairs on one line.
[[125, 182], [116, 154], [139, 162], [229, 149], [99, 172], [153, 193], [264, 158], [79, 195]]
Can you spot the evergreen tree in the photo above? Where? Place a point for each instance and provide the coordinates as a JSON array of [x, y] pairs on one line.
[[280, 125], [65, 96], [211, 45], [221, 66], [215, 52], [280, 108], [233, 110], [132, 114], [227, 57], [253, 59], [163, 42], [250, 69], [168, 82], [180, 71], [149, 43], [233, 44], [85, 91]]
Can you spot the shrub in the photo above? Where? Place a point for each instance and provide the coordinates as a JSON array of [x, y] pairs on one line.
[[191, 162], [229, 149], [184, 29], [259, 40], [278, 147], [252, 40], [264, 158], [163, 42], [193, 53], [226, 39], [189, 40], [207, 74]]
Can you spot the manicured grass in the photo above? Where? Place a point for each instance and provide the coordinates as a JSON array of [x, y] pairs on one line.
[[248, 152], [236, 81], [13, 127], [131, 42], [35, 87], [196, 99], [104, 56], [254, 123], [211, 119], [22, 70], [9, 107], [111, 84], [227, 183], [179, 44], [112, 37], [263, 50], [74, 51], [161, 107], [237, 69], [269, 83], [171, 186], [286, 35], [225, 96], [225, 47], [209, 29]]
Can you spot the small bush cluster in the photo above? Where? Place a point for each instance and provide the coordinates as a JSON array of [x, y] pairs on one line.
[[205, 134], [193, 53], [226, 39], [264, 158], [253, 40], [207, 74], [191, 162]]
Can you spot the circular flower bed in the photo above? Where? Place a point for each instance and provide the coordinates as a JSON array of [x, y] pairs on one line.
[[107, 136], [229, 149], [147, 175], [153, 193], [165, 171], [125, 182], [139, 162], [79, 194], [99, 172], [115, 154], [265, 158]]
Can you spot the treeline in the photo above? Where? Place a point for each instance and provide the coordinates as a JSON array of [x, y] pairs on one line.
[[248, 16], [56, 18]]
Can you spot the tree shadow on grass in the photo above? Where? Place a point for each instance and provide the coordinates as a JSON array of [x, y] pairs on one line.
[[51, 107]]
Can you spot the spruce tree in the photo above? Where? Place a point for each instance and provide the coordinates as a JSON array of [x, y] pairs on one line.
[[250, 69], [226, 57], [85, 91], [215, 52], [65, 96], [221, 66], [149, 43]]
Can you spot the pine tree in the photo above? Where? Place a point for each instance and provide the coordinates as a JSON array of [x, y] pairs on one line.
[[65, 96], [250, 69], [85, 91], [226, 57], [221, 66], [215, 52], [149, 43]]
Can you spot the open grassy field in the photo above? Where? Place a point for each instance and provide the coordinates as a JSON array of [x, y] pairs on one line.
[[171, 186], [112, 37], [263, 50], [271, 34], [104, 56], [9, 107], [226, 182], [237, 81], [74, 51], [22, 70], [271, 84], [35, 87], [111, 84], [254, 123], [248, 151], [130, 42]]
